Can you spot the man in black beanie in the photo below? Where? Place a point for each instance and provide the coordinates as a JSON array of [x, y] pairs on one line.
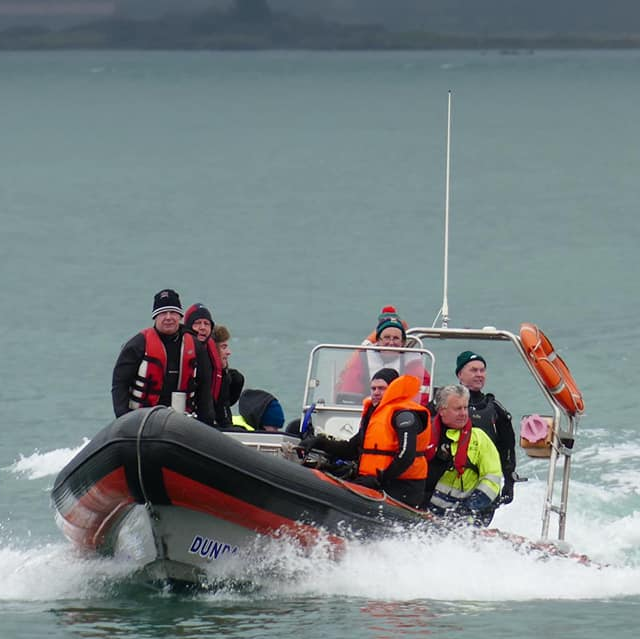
[[199, 320], [487, 413], [391, 442], [162, 360]]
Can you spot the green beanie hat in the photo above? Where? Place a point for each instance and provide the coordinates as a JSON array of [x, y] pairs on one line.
[[389, 318], [468, 356]]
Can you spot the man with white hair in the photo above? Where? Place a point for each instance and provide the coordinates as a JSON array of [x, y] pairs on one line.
[[464, 465]]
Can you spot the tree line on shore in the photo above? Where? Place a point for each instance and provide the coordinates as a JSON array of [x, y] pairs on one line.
[[253, 26]]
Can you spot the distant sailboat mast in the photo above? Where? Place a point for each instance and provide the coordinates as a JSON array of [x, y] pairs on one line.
[[444, 311]]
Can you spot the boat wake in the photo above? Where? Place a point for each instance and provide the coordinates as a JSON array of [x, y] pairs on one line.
[[405, 566], [38, 465]]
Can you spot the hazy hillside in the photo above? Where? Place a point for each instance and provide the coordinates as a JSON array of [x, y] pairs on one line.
[[484, 17], [319, 24]]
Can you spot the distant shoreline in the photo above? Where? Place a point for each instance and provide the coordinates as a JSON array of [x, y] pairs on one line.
[[224, 32], [527, 49]]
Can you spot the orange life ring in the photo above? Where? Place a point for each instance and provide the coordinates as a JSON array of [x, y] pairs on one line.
[[551, 368]]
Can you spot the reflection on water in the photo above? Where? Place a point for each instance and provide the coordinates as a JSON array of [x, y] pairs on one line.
[[192, 618], [152, 619], [126, 610], [388, 620]]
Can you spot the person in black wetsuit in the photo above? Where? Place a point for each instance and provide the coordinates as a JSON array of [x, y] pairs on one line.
[[487, 413], [390, 445], [226, 383], [232, 379], [161, 360]]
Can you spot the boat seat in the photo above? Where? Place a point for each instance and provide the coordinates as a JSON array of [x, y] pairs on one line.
[[336, 424]]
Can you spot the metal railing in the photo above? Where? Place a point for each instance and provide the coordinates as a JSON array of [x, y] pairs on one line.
[[562, 439]]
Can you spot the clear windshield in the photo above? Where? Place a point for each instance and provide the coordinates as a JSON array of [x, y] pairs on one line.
[[339, 376]]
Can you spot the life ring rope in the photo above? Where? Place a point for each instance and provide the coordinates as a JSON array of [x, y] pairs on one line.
[[551, 369]]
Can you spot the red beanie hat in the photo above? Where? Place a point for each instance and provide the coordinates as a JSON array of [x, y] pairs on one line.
[[196, 312]]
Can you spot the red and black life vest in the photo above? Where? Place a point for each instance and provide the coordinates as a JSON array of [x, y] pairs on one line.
[[216, 368], [148, 384]]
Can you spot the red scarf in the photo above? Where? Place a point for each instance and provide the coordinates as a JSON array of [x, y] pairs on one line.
[[460, 458]]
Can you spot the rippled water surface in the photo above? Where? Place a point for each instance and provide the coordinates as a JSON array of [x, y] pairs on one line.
[[296, 194]]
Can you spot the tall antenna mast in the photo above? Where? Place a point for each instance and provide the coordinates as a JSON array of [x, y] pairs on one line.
[[445, 302]]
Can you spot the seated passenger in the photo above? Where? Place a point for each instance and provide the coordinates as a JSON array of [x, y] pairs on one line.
[[464, 464], [293, 427], [259, 410], [391, 442], [386, 311], [232, 379], [390, 331]]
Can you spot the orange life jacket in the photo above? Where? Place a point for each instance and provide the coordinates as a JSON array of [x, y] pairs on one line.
[[147, 387], [381, 443]]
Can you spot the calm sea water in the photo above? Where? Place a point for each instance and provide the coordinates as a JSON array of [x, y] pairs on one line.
[[296, 194]]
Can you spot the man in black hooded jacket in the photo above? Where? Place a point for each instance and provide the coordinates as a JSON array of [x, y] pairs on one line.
[[259, 410], [157, 362]]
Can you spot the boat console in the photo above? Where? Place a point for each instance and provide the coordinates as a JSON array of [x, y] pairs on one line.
[[338, 381]]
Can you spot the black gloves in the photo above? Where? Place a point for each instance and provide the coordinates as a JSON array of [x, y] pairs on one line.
[[315, 441], [475, 502], [506, 496], [477, 509]]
